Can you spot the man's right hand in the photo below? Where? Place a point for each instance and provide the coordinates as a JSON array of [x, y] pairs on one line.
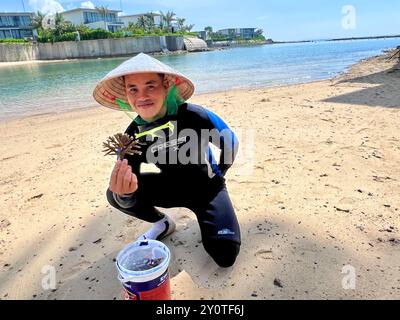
[[122, 180]]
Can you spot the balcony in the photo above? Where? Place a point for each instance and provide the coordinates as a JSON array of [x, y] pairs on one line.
[[117, 22], [14, 21]]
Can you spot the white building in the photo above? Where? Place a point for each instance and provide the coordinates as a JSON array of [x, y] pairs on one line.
[[175, 25], [94, 19], [133, 18], [245, 33], [16, 25], [157, 20]]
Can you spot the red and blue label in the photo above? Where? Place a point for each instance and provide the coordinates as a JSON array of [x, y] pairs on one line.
[[157, 289]]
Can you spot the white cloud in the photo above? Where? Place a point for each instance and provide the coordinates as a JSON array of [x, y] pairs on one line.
[[87, 5], [46, 6]]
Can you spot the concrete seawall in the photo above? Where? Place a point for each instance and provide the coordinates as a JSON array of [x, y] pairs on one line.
[[18, 52], [10, 52]]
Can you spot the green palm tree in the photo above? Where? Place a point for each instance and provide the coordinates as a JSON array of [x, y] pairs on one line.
[[37, 21], [103, 10], [60, 24], [167, 18], [149, 21], [189, 27], [163, 21], [145, 22], [141, 22], [259, 32], [181, 23]]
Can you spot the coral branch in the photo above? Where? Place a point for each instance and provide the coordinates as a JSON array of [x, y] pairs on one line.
[[121, 145]]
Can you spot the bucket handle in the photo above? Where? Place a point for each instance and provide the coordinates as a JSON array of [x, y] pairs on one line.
[[124, 280]]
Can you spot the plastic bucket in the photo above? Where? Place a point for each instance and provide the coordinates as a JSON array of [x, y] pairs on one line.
[[143, 270]]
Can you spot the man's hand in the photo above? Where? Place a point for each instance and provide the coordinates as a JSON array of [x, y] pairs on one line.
[[122, 180]]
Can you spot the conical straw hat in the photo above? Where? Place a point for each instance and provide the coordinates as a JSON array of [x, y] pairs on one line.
[[112, 86]]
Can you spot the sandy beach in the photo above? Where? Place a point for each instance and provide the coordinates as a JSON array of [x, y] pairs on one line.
[[316, 196]]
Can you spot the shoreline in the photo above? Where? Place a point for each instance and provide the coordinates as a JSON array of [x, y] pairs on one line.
[[199, 95], [179, 52], [93, 106]]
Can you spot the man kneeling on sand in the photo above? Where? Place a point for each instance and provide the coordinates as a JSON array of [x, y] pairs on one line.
[[169, 130]]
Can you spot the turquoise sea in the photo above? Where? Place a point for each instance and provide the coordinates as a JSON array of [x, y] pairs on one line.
[[62, 86]]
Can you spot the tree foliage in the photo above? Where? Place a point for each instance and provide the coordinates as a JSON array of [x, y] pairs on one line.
[[103, 10], [65, 31], [37, 21]]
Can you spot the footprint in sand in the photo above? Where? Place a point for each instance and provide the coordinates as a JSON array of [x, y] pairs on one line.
[[54, 146], [348, 200], [4, 224], [264, 254], [259, 170], [177, 242], [183, 218], [211, 276], [82, 266]]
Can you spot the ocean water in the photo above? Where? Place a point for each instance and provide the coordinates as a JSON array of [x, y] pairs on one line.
[[57, 87]]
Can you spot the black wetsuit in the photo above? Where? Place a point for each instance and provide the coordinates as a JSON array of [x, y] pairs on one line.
[[189, 176]]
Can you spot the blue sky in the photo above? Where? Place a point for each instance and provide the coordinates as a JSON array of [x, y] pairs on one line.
[[280, 19]]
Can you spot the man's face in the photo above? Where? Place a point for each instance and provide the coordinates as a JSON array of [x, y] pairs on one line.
[[146, 93]]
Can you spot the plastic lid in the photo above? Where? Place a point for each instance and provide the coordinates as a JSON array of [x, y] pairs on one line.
[[143, 257]]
